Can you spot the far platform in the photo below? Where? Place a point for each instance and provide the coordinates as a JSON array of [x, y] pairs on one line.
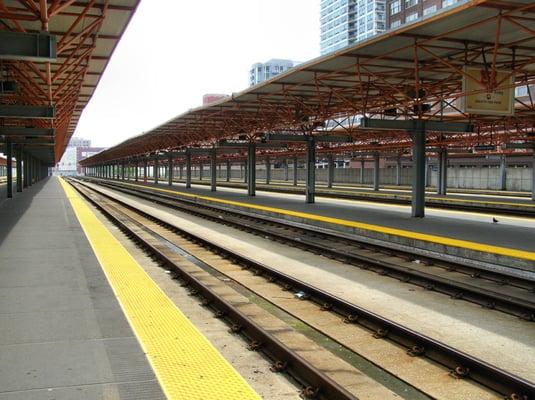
[[508, 242], [518, 203]]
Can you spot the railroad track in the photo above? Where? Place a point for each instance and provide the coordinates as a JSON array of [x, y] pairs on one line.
[[460, 365], [401, 199], [490, 289]]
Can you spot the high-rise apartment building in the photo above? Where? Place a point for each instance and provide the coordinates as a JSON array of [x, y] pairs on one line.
[[399, 12], [346, 22], [261, 72]]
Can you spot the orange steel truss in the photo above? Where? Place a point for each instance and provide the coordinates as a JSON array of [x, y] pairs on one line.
[[414, 72], [87, 33]]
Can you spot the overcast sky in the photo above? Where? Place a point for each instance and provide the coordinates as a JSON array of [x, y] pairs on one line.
[[174, 51]]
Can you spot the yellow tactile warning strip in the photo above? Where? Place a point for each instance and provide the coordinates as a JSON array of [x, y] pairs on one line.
[[184, 361], [481, 247]]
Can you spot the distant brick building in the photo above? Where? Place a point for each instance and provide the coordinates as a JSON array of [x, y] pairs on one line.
[[77, 150], [399, 12], [212, 98]]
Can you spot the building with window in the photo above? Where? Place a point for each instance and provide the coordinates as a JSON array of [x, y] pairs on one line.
[[346, 22], [261, 72], [399, 12], [77, 150]]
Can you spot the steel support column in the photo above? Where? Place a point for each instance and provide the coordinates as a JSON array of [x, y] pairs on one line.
[[286, 177], [9, 161], [418, 167], [170, 170], [136, 170], [310, 189], [330, 170], [245, 172], [145, 169], [251, 169], [442, 173], [213, 170], [398, 171], [228, 171], [295, 171], [156, 170], [362, 163], [188, 169], [376, 172], [30, 170], [426, 172], [25, 158], [503, 173], [201, 171], [19, 168], [268, 170]]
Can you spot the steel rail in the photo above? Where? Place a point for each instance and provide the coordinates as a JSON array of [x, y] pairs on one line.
[[500, 301], [317, 385], [460, 364]]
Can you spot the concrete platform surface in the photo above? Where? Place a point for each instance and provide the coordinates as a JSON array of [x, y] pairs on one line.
[[63, 334]]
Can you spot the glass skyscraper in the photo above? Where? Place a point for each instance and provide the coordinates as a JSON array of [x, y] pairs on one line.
[[346, 22]]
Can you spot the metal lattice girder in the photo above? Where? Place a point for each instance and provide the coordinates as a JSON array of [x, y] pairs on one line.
[[281, 137], [244, 145], [520, 145], [415, 71], [38, 47], [410, 124], [17, 111], [21, 131]]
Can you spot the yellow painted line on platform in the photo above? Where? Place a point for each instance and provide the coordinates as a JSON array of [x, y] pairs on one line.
[[372, 194], [485, 248], [184, 361], [406, 197]]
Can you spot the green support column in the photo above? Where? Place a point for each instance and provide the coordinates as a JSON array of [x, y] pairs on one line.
[[330, 170], [25, 170], [156, 170], [251, 169], [9, 162], [295, 171], [376, 171], [213, 170], [188, 169], [419, 167], [268, 170], [310, 184], [19, 168], [170, 170]]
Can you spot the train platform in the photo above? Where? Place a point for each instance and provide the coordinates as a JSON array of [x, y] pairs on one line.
[[79, 317], [518, 203], [475, 237]]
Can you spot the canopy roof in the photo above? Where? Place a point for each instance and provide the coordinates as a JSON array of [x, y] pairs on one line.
[[87, 33], [415, 71]]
